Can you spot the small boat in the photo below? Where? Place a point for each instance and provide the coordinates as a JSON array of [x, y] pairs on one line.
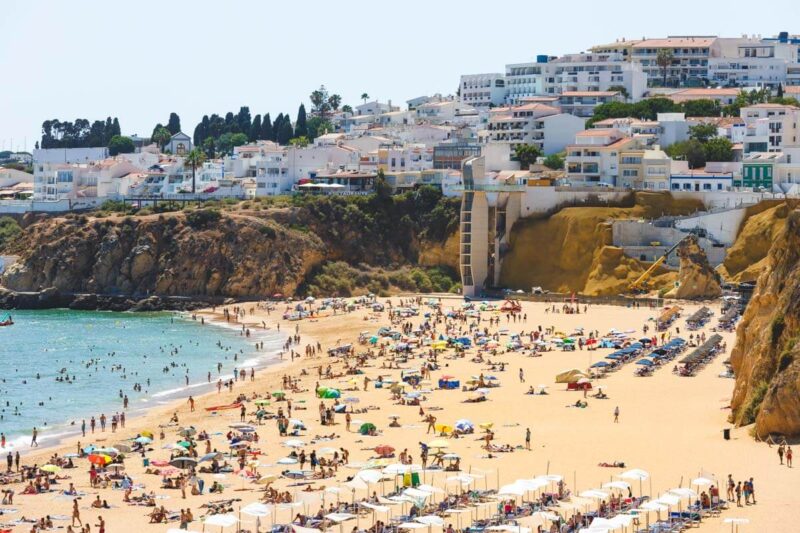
[[7, 321]]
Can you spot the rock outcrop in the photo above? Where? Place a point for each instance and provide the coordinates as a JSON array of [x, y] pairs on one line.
[[766, 357], [209, 254], [697, 280], [163, 255]]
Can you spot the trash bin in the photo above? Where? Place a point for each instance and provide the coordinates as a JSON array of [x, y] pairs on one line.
[[726, 433]]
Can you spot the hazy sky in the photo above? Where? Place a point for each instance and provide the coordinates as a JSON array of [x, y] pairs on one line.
[[141, 60]]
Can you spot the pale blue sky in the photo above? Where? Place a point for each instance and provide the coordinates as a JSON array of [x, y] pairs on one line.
[[140, 60]]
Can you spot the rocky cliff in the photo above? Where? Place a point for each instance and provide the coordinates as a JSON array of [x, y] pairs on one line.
[[234, 256], [697, 280], [766, 357], [747, 257], [572, 249], [240, 252]]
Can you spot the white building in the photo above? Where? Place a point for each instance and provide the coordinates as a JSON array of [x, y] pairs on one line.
[[594, 72], [537, 124], [179, 144], [770, 127], [525, 80], [594, 156], [483, 90]]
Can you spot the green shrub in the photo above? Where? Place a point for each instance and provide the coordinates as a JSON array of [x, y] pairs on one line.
[[756, 397], [203, 218], [9, 229]]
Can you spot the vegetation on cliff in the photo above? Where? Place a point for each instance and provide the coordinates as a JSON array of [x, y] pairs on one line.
[[245, 249]]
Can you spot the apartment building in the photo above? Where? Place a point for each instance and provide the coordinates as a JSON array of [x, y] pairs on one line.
[[109, 178], [537, 124], [482, 90], [525, 80], [594, 72], [593, 158], [582, 103], [770, 127], [644, 168], [690, 56]]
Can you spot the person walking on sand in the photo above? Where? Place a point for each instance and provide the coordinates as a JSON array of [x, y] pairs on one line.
[[34, 436], [521, 376], [431, 424], [76, 513], [731, 486], [739, 494], [528, 438], [789, 456], [781, 451], [347, 420], [191, 404], [616, 414]]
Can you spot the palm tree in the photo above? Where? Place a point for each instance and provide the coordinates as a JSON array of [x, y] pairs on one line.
[[365, 97], [195, 158], [161, 137], [664, 60]]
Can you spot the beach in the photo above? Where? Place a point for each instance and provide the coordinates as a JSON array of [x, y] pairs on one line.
[[670, 426]]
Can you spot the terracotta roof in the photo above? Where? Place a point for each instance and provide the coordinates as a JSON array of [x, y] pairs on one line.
[[707, 92], [596, 133]]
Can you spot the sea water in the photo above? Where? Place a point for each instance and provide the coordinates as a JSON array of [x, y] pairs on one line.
[[106, 354]]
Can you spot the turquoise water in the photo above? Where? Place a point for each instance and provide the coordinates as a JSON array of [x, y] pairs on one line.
[[104, 353]]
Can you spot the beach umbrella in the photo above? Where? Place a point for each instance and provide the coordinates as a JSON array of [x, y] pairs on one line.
[[262, 402], [266, 480], [294, 443], [653, 506], [621, 485], [210, 457], [326, 451], [148, 434], [411, 525], [187, 432], [594, 494], [366, 427], [287, 461], [221, 520], [279, 393], [185, 444], [430, 520], [99, 460], [397, 469], [683, 492], [635, 474], [122, 447], [384, 450], [143, 440], [89, 449], [438, 443], [351, 399], [116, 466], [668, 499], [71, 455], [736, 522], [52, 469], [183, 462], [702, 482]]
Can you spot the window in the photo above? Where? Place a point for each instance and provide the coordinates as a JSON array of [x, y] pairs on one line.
[[706, 186]]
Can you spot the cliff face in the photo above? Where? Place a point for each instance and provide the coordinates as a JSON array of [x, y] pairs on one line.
[[696, 279], [747, 257], [766, 358], [235, 256], [244, 251], [571, 250]]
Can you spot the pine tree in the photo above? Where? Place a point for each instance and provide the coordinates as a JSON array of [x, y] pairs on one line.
[[301, 127], [115, 129], [174, 124], [108, 131], [243, 120], [286, 132], [266, 129], [255, 129], [276, 127]]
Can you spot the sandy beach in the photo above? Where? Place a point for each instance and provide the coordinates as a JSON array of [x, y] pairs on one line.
[[670, 426]]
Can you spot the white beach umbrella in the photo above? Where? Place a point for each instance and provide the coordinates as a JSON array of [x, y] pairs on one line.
[[412, 525], [509, 528], [653, 506], [702, 482], [621, 485], [594, 494], [635, 473], [668, 499], [512, 489], [683, 492], [430, 520], [287, 461], [294, 443], [256, 509], [221, 520]]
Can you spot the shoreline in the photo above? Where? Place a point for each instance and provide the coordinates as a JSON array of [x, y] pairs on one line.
[[166, 400]]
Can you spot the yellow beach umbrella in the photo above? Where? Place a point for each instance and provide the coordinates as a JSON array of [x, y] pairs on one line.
[[438, 443]]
